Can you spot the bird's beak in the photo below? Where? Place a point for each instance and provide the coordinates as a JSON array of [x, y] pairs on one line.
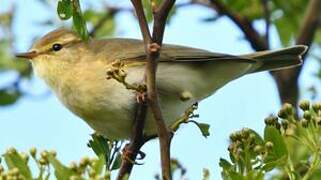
[[27, 55]]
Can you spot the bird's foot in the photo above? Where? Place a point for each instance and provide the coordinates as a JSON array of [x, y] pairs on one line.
[[129, 155], [141, 96]]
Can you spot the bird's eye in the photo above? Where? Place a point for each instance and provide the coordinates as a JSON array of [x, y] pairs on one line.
[[56, 47]]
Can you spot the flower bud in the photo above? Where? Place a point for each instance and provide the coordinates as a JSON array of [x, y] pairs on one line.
[[318, 121], [288, 108], [269, 145], [258, 149], [252, 138], [239, 152], [304, 123], [43, 161], [316, 107], [53, 153], [285, 124], [24, 156], [245, 132], [307, 115], [271, 120], [282, 114], [304, 105], [286, 111], [84, 161], [11, 150], [33, 152], [44, 154], [230, 148], [235, 136]]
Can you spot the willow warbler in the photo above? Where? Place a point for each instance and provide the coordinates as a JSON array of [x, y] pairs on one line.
[[76, 72]]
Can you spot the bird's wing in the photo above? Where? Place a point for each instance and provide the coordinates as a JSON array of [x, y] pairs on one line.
[[134, 51]]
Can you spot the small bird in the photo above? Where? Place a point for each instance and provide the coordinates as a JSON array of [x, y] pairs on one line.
[[76, 72]]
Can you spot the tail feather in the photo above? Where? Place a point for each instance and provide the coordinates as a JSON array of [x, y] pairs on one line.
[[280, 59]]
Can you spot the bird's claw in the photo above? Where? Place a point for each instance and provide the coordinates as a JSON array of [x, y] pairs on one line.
[[128, 154], [141, 97]]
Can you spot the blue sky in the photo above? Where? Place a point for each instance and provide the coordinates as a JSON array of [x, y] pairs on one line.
[[46, 124]]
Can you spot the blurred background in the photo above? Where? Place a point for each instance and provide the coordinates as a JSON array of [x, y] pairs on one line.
[[30, 115]]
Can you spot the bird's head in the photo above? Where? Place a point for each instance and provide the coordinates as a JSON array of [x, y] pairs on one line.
[[54, 53]]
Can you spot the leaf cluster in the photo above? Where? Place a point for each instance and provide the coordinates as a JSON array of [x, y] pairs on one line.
[[289, 144]]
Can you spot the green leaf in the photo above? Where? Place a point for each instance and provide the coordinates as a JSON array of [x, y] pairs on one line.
[[117, 162], [99, 164], [276, 156], [9, 96], [272, 163], [79, 21], [258, 139], [285, 32], [273, 135], [204, 128], [64, 9], [14, 160], [100, 146], [61, 172], [148, 10], [95, 18], [225, 164]]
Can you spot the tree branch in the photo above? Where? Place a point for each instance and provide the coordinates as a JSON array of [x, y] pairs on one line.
[[310, 23], [136, 142], [110, 13], [152, 47], [267, 19], [142, 22], [255, 39], [287, 80]]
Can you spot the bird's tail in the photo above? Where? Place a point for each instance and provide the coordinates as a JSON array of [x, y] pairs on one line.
[[280, 59]]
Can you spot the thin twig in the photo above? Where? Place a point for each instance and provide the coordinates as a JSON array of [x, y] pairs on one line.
[[252, 35]]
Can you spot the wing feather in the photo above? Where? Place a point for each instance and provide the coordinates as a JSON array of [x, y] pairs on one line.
[[133, 50]]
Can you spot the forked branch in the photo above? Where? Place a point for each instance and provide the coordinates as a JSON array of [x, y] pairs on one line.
[[152, 44]]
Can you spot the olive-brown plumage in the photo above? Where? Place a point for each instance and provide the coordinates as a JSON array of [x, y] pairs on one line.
[[76, 72]]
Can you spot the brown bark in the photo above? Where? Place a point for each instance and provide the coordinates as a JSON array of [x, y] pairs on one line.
[[153, 44], [287, 80]]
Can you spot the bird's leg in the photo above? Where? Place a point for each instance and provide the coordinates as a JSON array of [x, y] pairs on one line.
[[141, 96], [141, 92]]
